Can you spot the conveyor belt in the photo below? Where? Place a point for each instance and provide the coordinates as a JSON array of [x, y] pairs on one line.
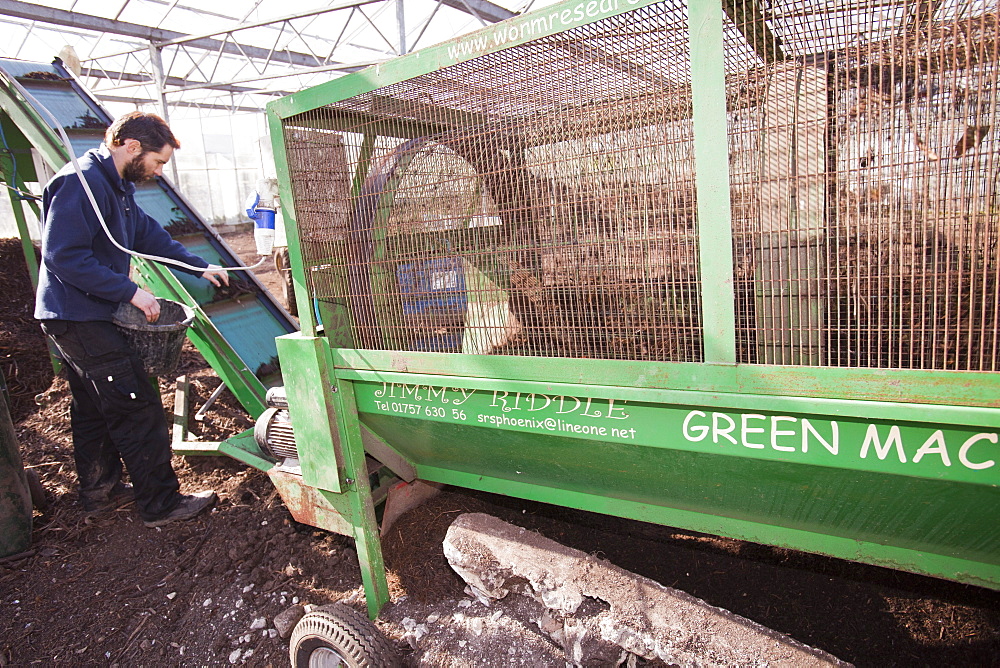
[[236, 327]]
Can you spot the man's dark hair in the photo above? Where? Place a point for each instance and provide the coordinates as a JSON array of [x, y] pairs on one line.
[[151, 131]]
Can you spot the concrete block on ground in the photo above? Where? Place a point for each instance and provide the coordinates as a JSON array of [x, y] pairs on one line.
[[596, 610]]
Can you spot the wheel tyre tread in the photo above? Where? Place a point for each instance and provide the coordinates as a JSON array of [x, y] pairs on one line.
[[350, 632]]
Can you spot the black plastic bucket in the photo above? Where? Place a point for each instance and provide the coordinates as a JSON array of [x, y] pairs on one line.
[[158, 344]]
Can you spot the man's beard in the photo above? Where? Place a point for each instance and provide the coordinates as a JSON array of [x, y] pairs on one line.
[[135, 170]]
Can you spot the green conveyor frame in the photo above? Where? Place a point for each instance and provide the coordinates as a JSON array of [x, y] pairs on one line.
[[236, 336]]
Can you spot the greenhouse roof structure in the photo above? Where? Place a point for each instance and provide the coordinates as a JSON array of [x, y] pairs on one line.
[[231, 57]]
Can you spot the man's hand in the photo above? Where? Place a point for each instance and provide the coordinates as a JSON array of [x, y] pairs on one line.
[[146, 303], [216, 275]]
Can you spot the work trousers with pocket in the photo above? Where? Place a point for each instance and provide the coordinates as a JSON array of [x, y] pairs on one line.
[[116, 416]]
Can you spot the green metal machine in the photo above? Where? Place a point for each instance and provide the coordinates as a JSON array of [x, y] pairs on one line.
[[691, 263], [677, 262]]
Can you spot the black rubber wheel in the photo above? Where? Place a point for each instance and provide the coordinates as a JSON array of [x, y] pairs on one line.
[[336, 635]]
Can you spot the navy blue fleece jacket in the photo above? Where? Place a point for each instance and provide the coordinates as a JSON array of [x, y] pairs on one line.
[[83, 276]]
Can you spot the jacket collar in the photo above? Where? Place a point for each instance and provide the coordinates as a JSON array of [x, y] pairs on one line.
[[107, 162]]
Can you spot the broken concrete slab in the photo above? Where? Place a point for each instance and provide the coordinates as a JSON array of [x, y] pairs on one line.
[[595, 609]]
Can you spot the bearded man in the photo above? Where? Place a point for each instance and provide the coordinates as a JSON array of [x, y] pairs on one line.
[[116, 416]]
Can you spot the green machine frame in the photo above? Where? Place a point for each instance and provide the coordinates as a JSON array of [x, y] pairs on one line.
[[893, 467]]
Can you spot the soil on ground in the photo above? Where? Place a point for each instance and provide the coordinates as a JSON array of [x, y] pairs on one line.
[[105, 590]]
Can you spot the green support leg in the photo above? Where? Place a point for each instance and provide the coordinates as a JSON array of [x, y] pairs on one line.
[[332, 455], [359, 496], [27, 246]]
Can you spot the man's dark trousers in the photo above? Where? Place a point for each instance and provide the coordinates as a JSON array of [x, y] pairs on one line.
[[116, 416]]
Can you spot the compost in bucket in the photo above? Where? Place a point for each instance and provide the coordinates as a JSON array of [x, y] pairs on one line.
[[158, 344]]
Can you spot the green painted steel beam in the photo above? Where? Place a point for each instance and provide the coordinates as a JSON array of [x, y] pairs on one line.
[[711, 157], [307, 316], [944, 444], [310, 386], [364, 163], [28, 130], [739, 401], [380, 115], [916, 561], [17, 207], [359, 496], [948, 388], [242, 447], [517, 30], [331, 449], [350, 121], [179, 433]]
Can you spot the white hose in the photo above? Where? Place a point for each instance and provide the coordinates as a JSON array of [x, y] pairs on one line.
[[97, 210]]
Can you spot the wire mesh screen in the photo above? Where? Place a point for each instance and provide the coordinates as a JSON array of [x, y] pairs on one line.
[[865, 179], [536, 201], [540, 200]]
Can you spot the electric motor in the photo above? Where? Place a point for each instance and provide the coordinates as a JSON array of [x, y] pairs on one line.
[[273, 430]]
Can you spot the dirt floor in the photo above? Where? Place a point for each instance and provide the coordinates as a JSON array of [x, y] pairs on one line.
[[104, 590]]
